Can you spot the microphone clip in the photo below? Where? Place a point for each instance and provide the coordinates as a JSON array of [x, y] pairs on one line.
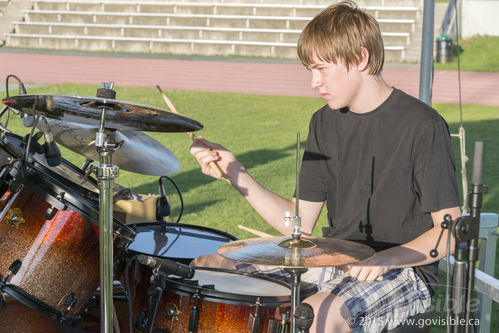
[[163, 209]]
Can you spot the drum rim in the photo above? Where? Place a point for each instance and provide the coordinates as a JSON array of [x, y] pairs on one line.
[[178, 287], [33, 303], [89, 210], [79, 200]]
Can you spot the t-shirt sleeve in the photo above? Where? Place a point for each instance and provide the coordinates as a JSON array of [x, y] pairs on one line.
[[434, 168], [312, 176]]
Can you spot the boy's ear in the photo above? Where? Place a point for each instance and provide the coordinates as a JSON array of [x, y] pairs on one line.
[[364, 60]]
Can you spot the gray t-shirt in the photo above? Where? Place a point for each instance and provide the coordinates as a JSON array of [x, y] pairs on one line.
[[381, 173]]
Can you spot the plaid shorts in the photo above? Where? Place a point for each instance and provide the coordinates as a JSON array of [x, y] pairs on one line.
[[375, 305]]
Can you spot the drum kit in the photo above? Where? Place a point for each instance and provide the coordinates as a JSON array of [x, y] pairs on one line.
[[64, 255]]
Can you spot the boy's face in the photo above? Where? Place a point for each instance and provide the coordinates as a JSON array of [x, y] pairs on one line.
[[336, 84]]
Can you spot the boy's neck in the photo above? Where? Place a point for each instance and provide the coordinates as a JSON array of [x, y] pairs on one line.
[[372, 93]]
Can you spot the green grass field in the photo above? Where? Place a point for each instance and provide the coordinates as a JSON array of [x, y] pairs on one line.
[[261, 131], [479, 54]]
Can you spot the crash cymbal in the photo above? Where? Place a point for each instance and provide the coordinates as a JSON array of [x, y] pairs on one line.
[[289, 253], [87, 110], [138, 152]]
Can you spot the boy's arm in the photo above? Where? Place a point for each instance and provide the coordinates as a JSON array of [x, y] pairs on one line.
[[413, 253], [270, 206]]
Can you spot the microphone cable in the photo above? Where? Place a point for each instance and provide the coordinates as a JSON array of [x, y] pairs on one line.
[[179, 195], [128, 290], [22, 89]]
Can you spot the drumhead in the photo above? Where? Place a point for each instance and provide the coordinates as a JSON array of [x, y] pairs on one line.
[[234, 287], [177, 241]]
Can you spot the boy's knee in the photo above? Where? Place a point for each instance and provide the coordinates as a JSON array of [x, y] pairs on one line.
[[330, 313]]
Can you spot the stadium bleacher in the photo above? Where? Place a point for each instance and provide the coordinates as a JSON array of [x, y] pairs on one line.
[[232, 27]]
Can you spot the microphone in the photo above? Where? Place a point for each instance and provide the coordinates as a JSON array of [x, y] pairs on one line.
[[304, 316], [52, 152], [477, 166], [27, 119], [162, 204], [169, 267]]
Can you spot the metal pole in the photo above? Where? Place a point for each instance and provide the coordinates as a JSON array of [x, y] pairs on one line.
[[427, 52], [295, 292], [106, 172]]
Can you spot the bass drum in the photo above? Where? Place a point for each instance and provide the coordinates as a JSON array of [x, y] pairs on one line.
[[49, 233]]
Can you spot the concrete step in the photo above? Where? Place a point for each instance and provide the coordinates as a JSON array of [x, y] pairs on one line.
[[179, 32], [228, 21], [149, 45], [206, 8], [325, 3]]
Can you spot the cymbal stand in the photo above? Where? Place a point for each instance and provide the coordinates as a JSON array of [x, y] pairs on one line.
[[106, 173], [296, 243], [466, 230], [295, 292]]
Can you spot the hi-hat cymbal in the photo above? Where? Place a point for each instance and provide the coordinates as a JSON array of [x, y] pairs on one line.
[[88, 110], [138, 152], [289, 253]]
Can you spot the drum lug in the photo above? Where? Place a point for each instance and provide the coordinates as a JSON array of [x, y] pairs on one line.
[[194, 315], [70, 302], [13, 269], [172, 312], [51, 211], [15, 182], [255, 318], [279, 325]]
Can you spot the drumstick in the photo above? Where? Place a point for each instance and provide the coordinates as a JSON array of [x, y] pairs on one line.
[[172, 107], [253, 231]]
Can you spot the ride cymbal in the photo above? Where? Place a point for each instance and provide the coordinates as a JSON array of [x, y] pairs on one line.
[[290, 253], [88, 110], [138, 152]]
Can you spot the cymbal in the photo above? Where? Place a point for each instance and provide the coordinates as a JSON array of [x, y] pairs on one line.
[[87, 110], [138, 153], [289, 253]]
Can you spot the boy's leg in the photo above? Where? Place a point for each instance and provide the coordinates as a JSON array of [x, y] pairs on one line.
[[330, 313], [370, 306]]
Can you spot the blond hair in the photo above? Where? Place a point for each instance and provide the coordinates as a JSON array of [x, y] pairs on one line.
[[340, 32]]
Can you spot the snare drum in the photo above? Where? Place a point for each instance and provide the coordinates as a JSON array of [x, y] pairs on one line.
[[223, 300], [49, 234], [176, 241]]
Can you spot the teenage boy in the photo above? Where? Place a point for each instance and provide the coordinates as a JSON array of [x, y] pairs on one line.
[[382, 162]]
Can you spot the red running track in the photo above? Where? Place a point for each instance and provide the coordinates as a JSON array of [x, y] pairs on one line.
[[227, 76]]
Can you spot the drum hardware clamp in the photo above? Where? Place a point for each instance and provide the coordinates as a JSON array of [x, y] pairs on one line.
[[148, 315]]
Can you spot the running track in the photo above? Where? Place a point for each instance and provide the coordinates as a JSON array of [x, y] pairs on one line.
[[286, 79]]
